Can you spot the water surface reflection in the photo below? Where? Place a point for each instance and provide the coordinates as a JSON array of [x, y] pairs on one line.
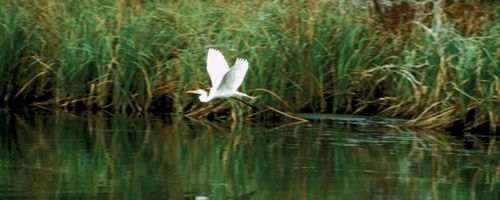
[[60, 155]]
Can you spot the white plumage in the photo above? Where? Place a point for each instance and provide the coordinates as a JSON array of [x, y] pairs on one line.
[[225, 80]]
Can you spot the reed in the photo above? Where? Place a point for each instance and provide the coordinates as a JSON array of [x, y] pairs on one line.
[[321, 56]]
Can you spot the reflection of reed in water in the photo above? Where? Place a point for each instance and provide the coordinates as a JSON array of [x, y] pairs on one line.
[[140, 156]]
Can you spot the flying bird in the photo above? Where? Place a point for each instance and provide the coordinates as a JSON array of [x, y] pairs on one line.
[[225, 80]]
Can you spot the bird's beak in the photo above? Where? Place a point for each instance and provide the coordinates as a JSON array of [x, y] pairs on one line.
[[192, 92]]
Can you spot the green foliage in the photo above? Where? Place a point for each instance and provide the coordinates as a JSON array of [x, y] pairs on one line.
[[320, 56]]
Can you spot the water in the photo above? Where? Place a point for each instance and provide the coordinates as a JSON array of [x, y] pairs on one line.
[[61, 155]]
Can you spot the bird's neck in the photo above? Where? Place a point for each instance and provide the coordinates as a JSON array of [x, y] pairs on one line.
[[204, 97]]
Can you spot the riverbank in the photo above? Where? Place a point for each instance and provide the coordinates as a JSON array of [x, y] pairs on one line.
[[434, 63]]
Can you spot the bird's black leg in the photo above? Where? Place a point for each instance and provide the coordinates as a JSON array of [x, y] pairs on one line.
[[248, 104]]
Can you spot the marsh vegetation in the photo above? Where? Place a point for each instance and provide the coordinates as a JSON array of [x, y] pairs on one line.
[[434, 62]]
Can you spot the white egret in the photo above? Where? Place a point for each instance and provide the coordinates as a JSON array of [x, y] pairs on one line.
[[225, 81]]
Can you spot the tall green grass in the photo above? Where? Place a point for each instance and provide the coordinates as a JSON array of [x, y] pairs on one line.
[[320, 56]]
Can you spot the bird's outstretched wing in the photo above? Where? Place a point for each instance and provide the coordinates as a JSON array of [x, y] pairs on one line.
[[216, 67], [233, 79]]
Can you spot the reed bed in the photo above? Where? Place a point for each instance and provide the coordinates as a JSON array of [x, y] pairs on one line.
[[418, 61]]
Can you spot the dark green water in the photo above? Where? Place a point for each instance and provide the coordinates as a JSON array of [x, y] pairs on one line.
[[52, 156]]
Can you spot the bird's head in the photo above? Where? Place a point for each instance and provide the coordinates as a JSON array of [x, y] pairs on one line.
[[203, 95]]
